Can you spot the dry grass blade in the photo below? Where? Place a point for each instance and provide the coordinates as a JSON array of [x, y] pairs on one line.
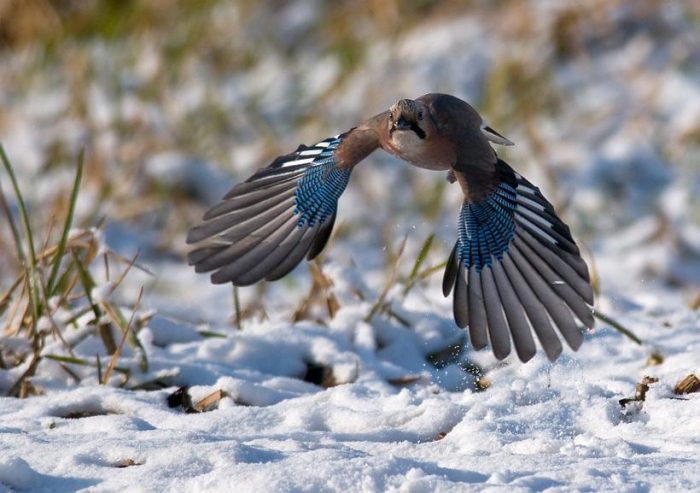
[[117, 353], [7, 297], [205, 403], [18, 312], [15, 390], [116, 315], [125, 260], [82, 362], [326, 284], [389, 282], [56, 330], [122, 276], [593, 269], [88, 284], [321, 285]]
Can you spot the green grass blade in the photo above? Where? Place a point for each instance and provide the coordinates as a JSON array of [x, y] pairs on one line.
[[617, 326], [420, 259], [66, 227], [88, 283], [68, 359], [31, 264], [209, 334], [13, 226], [82, 362], [422, 255]]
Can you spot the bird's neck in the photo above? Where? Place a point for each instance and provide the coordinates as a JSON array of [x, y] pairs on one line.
[[356, 145]]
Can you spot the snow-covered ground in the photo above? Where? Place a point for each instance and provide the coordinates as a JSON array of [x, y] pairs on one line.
[[607, 122], [540, 426]]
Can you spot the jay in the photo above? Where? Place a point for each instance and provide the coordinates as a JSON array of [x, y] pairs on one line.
[[515, 271]]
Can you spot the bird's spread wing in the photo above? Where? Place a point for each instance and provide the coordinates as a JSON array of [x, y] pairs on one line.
[[265, 226], [515, 269]]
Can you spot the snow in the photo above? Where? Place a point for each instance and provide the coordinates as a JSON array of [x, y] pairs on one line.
[[538, 426], [397, 401]]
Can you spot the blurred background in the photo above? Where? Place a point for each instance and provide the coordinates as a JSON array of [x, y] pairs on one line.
[[176, 101]]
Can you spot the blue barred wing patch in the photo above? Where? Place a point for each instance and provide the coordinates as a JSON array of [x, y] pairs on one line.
[[322, 184], [487, 227]]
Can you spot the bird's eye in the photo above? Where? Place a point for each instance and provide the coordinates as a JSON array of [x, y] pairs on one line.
[[420, 115]]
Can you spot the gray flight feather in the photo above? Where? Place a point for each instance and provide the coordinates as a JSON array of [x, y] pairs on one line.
[[240, 230], [272, 260], [561, 267], [240, 247], [242, 201], [295, 255], [477, 311], [519, 329], [497, 327], [460, 301], [198, 255], [223, 225], [557, 284], [251, 258], [536, 312], [451, 269], [256, 182], [541, 232], [541, 282]]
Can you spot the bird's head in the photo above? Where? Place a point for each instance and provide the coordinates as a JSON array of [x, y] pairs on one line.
[[438, 114], [437, 130], [410, 116]]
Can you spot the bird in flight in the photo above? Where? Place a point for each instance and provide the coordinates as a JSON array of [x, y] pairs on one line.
[[514, 270]]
